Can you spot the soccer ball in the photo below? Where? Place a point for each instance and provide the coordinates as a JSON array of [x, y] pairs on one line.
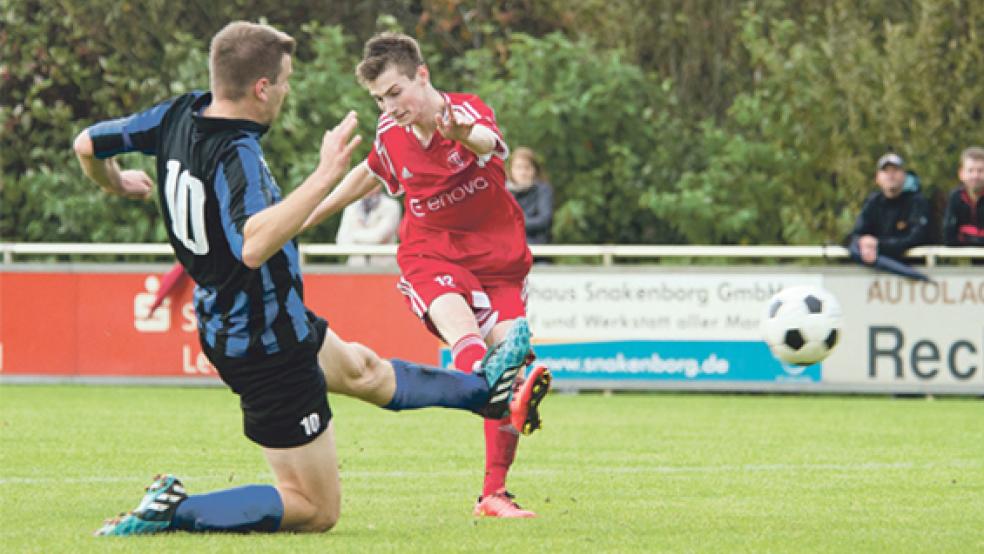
[[802, 324]]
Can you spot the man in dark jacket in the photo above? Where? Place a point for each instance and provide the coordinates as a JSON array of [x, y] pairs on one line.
[[893, 219]]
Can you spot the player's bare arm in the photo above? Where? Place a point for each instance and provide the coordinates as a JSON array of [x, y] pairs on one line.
[[107, 174], [266, 232], [354, 186]]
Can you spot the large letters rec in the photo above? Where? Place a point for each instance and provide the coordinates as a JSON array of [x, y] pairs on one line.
[[962, 357]]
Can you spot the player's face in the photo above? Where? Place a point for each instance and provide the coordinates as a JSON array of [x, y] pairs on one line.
[[399, 96], [972, 175], [890, 179], [276, 92]]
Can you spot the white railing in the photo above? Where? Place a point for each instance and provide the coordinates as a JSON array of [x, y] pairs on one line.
[[608, 253]]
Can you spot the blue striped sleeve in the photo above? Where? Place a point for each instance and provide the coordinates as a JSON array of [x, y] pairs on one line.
[[137, 132], [255, 195], [239, 190], [232, 232]]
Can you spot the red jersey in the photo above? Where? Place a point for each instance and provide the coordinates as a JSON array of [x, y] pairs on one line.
[[456, 206]]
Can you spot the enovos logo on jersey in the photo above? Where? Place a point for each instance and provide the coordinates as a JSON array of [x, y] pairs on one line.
[[421, 206]]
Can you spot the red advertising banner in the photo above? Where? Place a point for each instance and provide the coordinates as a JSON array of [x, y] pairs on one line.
[[96, 324]]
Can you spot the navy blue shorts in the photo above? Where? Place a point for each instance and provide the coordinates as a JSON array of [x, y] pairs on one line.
[[284, 397]]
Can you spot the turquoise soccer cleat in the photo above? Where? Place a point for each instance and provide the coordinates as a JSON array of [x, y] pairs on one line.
[[154, 513], [501, 366]]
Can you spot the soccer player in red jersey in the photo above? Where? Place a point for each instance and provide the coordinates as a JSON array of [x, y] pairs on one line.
[[463, 253]]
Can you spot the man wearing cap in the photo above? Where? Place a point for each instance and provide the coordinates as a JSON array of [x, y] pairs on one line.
[[894, 218]]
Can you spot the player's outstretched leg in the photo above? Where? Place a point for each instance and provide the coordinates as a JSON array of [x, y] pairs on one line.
[[355, 370], [524, 414], [153, 514], [486, 392], [501, 366]]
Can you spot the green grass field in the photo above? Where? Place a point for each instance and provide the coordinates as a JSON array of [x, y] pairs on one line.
[[623, 473]]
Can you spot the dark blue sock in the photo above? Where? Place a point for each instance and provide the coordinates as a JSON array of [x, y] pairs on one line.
[[239, 510], [420, 386]]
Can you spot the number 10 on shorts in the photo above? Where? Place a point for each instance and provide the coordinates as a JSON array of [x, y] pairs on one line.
[[311, 423]]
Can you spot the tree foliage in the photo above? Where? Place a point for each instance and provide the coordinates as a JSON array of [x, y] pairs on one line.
[[658, 120], [596, 121], [794, 158]]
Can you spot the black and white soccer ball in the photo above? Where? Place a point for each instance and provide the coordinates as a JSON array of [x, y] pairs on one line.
[[802, 324]]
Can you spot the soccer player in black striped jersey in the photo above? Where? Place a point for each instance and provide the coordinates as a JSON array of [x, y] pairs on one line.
[[234, 234]]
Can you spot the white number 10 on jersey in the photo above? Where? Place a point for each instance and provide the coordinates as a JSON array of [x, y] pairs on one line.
[[185, 197]]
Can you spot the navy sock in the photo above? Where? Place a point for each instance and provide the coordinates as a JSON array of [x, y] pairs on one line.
[[239, 510], [420, 386]]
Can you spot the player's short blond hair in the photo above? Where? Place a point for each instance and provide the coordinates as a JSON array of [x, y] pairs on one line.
[[242, 53], [975, 153], [386, 49]]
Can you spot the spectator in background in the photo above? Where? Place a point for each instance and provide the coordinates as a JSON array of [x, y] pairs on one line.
[[893, 219], [963, 220], [372, 220], [526, 182]]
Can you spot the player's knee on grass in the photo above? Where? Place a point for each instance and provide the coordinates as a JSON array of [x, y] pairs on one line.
[[308, 512], [327, 511], [322, 522]]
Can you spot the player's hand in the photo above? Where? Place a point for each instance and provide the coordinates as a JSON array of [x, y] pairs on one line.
[[338, 144], [453, 125], [135, 184]]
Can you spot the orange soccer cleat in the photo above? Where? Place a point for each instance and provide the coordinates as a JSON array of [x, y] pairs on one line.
[[500, 504], [524, 414]]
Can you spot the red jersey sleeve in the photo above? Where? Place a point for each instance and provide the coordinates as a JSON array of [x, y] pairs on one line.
[[472, 108], [381, 165]]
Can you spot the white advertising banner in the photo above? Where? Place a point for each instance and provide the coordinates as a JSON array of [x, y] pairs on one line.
[[666, 306], [660, 329], [908, 334], [696, 329]]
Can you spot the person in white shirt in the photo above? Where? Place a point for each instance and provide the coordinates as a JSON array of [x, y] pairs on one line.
[[372, 220]]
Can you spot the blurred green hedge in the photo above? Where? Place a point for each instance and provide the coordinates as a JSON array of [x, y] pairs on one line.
[[673, 121]]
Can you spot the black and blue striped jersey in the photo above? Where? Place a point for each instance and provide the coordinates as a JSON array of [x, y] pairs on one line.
[[211, 178]]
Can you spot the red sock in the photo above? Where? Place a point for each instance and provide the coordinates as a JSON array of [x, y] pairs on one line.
[[169, 281], [468, 351], [500, 451]]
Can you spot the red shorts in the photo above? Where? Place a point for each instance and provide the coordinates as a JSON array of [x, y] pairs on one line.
[[491, 302]]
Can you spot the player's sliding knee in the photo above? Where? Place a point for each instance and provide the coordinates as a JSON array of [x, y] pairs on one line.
[[323, 522], [318, 517]]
